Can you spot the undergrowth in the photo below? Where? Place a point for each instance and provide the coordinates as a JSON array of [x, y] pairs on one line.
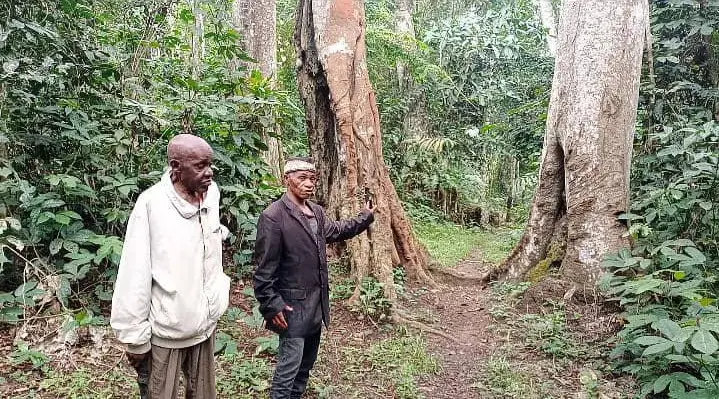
[[395, 362], [449, 244], [668, 283]]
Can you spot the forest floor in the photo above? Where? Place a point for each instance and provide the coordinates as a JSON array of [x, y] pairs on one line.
[[501, 341]]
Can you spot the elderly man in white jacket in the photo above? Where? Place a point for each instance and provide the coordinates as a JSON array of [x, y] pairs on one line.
[[171, 289]]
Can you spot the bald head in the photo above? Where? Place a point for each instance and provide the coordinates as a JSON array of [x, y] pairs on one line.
[[190, 159], [182, 145]]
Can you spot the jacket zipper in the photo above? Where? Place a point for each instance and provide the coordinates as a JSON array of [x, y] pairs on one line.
[[204, 253]]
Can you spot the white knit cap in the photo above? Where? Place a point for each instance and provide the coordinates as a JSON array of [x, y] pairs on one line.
[[295, 165]]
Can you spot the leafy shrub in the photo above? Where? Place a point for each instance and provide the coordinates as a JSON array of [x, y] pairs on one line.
[[372, 301], [25, 354], [242, 377], [668, 282], [90, 93]]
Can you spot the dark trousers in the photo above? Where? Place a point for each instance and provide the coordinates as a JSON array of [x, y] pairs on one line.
[[296, 356]]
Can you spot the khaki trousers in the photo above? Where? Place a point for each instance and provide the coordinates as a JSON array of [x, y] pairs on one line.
[[197, 364]]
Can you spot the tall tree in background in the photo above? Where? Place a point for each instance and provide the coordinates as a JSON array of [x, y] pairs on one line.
[[345, 138], [257, 21], [546, 14], [405, 27], [584, 173], [198, 35], [416, 121]]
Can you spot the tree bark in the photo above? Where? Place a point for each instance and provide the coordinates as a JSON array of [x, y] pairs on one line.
[[346, 141], [257, 21], [587, 151], [545, 11]]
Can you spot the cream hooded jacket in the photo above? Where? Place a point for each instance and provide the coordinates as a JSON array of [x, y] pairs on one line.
[[170, 289]]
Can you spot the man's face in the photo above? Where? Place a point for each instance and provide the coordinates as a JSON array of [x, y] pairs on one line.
[[194, 169], [301, 183]]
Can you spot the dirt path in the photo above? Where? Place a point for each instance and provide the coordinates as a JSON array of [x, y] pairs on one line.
[[532, 349], [461, 310]]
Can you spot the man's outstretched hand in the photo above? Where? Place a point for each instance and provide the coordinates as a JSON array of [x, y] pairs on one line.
[[369, 206], [279, 319], [136, 359]]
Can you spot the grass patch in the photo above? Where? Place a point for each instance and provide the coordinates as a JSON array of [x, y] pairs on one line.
[[243, 377], [497, 243], [391, 366], [86, 383], [448, 243], [501, 378]]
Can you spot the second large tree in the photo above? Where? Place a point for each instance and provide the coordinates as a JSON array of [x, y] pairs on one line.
[[345, 137], [584, 174]]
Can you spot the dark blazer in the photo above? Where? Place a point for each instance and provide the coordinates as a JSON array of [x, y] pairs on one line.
[[292, 264]]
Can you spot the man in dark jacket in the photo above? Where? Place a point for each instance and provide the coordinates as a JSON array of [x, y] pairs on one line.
[[291, 277]]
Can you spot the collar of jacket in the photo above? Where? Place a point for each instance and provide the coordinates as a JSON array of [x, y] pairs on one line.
[[293, 207], [297, 214], [184, 208]]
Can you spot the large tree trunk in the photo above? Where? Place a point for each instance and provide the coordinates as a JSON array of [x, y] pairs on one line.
[[586, 158], [346, 141], [257, 21]]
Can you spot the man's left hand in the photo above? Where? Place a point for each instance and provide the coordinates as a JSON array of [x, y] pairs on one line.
[[369, 206], [136, 359]]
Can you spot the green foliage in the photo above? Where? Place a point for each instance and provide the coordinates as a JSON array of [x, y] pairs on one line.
[[83, 318], [90, 93], [399, 359], [450, 243], [343, 289], [85, 383], [668, 282], [242, 377], [372, 301], [270, 344], [549, 333], [255, 320], [13, 304], [546, 332], [500, 378], [668, 341], [24, 354], [462, 130], [225, 344]]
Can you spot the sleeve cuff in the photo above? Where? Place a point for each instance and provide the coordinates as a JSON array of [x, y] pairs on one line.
[[139, 349], [274, 308], [367, 216]]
